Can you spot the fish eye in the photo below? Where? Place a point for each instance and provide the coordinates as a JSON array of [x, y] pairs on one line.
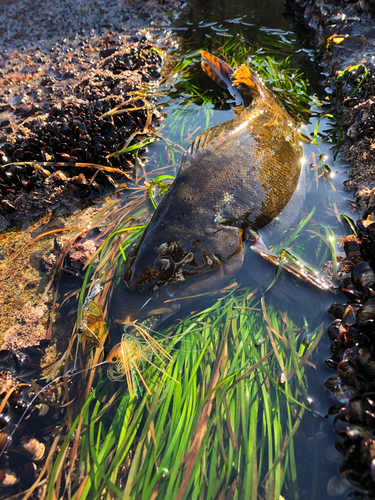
[[164, 266]]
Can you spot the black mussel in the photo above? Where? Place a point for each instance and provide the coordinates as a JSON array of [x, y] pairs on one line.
[[111, 137], [112, 182], [65, 158], [353, 249], [350, 458], [71, 273], [6, 159], [347, 372], [95, 186], [332, 382], [331, 364], [7, 207], [364, 356], [337, 310], [369, 418], [355, 477], [340, 424], [362, 384], [19, 154], [372, 469], [8, 149], [82, 127], [79, 182], [342, 444], [334, 329], [368, 371], [349, 317], [4, 441], [54, 142], [354, 409], [79, 153], [363, 276], [351, 336], [355, 432], [370, 448], [344, 393], [366, 316], [337, 351], [107, 127], [64, 147]]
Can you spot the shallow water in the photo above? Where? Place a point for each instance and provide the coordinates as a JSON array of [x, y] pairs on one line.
[[326, 199], [265, 30]]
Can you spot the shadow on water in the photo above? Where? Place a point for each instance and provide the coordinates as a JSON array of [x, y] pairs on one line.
[[257, 358]]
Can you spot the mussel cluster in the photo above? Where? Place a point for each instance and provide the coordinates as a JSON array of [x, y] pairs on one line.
[[353, 358], [73, 134], [24, 441]]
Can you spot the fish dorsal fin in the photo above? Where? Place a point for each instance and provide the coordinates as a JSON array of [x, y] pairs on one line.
[[203, 139], [245, 81], [218, 70]]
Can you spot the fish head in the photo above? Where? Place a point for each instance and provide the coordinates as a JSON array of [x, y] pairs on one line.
[[163, 277]]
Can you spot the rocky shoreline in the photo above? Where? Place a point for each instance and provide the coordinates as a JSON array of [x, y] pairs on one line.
[[346, 34]]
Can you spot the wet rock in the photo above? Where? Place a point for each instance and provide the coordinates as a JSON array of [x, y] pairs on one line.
[[81, 253]]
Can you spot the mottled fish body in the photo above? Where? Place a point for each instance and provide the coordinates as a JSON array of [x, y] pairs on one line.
[[237, 175]]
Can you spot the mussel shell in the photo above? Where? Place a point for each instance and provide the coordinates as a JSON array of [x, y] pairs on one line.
[[340, 424], [366, 316], [356, 432], [347, 372], [354, 409], [362, 384], [350, 458], [363, 276], [353, 250], [337, 351], [332, 382], [334, 329], [331, 364], [368, 371], [344, 393], [4, 441], [349, 317], [337, 310]]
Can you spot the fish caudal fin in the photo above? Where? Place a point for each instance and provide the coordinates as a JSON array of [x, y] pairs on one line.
[[218, 70], [245, 81]]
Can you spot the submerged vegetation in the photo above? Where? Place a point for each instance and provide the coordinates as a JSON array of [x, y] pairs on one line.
[[208, 407]]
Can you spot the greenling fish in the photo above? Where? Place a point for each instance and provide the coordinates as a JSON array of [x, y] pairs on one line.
[[235, 177]]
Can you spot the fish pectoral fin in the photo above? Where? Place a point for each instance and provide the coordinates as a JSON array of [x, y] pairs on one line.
[[245, 80], [218, 70], [288, 262]]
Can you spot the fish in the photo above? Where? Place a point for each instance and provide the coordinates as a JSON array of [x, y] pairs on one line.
[[236, 177]]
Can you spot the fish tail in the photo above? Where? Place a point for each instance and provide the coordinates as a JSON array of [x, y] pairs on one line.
[[218, 70], [243, 81], [246, 81]]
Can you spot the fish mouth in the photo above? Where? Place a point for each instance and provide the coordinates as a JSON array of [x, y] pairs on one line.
[[128, 307]]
